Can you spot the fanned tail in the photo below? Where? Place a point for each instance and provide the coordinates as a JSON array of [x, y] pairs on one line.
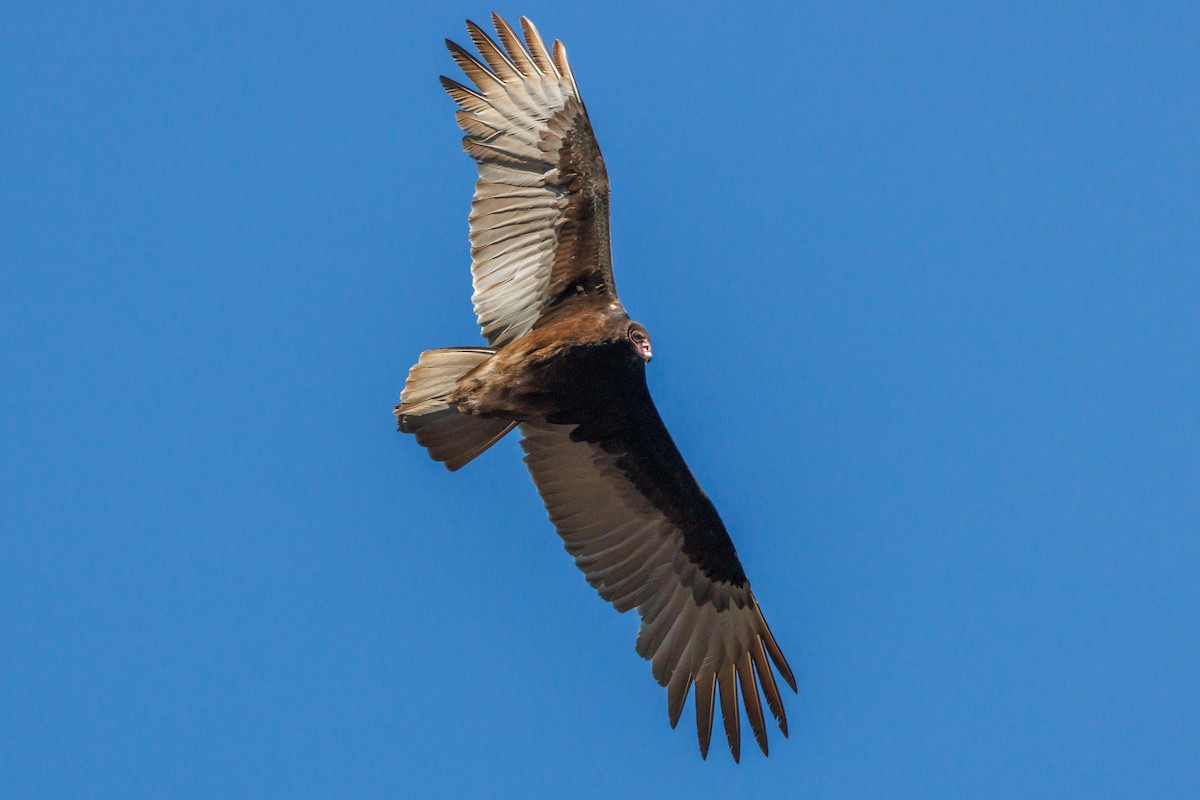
[[450, 436]]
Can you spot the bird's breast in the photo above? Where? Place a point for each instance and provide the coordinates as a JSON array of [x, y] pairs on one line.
[[525, 382]]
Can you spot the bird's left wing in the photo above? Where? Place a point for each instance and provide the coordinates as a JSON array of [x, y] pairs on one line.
[[539, 221], [647, 537]]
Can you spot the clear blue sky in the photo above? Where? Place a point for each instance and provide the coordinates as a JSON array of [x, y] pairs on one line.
[[924, 287]]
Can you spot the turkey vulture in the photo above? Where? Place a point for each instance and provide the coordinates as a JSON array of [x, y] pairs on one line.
[[567, 365]]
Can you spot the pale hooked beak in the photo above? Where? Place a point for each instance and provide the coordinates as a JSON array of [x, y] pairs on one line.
[[645, 351]]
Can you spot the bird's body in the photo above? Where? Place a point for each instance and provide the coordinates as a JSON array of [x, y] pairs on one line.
[[566, 364], [556, 365]]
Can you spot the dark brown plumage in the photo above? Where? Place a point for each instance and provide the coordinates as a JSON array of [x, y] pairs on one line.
[[567, 365]]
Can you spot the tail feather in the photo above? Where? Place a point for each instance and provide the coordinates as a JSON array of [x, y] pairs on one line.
[[450, 436], [454, 438]]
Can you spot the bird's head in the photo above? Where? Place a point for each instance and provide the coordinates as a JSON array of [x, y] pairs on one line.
[[640, 341]]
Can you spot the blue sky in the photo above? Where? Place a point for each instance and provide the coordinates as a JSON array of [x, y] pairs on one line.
[[924, 287]]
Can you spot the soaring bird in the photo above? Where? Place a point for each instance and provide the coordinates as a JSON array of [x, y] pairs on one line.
[[567, 365]]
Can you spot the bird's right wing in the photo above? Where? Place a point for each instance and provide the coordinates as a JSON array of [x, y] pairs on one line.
[[539, 221], [647, 537]]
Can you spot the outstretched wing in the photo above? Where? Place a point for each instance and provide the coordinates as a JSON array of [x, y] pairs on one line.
[[539, 221], [647, 537]]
